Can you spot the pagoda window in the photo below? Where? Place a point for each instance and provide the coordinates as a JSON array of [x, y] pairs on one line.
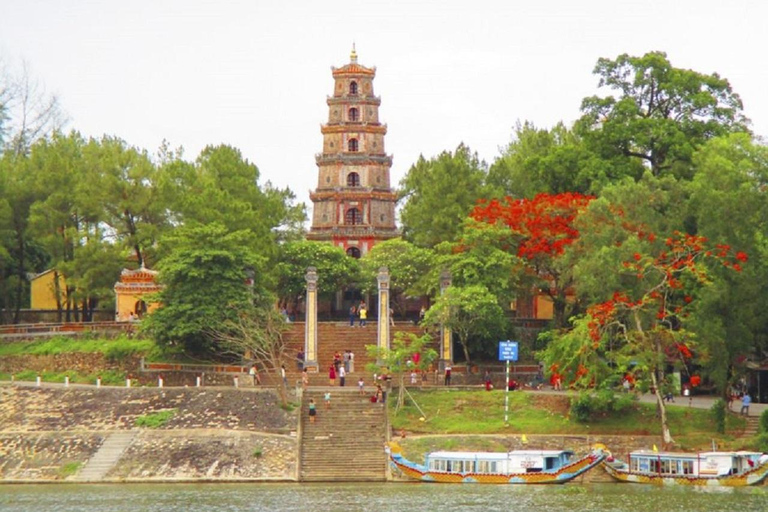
[[353, 217], [352, 145], [353, 179], [353, 88], [354, 115], [353, 252]]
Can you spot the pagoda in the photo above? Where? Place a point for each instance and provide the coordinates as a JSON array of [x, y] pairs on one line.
[[354, 205]]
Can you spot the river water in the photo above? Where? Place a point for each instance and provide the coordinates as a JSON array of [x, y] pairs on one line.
[[396, 497]]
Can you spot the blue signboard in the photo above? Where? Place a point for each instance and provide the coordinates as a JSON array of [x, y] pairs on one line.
[[507, 350]]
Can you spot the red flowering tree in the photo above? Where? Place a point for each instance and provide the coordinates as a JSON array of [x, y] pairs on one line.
[[644, 324], [543, 229]]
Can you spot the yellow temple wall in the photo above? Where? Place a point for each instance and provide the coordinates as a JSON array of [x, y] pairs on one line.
[[42, 295]]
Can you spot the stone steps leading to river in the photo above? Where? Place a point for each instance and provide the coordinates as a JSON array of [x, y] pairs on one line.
[[346, 441], [105, 459]]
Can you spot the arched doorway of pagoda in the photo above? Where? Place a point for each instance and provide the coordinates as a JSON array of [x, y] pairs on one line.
[[140, 308]]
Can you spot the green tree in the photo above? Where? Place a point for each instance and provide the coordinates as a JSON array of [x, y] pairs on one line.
[[203, 271], [728, 203], [335, 270], [547, 161], [472, 312], [438, 194], [401, 359], [21, 253], [409, 268], [659, 114], [481, 258], [125, 184]]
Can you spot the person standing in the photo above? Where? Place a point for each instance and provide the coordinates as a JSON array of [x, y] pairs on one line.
[[304, 379], [254, 375], [745, 401], [332, 375], [327, 399], [351, 362], [312, 410], [352, 315], [487, 380], [361, 386], [346, 361], [363, 315], [342, 376], [300, 360], [447, 375]]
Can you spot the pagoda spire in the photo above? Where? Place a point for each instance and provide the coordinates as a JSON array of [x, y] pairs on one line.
[[353, 54]]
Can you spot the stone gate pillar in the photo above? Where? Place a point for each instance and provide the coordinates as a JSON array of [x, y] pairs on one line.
[[383, 332], [310, 322], [446, 336]]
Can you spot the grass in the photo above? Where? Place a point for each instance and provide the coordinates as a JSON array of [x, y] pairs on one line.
[[481, 413], [155, 419], [113, 349], [69, 469]]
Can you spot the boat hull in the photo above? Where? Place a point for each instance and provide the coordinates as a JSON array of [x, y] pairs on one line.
[[560, 476], [752, 477]]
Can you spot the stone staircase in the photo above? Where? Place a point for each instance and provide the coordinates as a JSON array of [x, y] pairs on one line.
[[335, 337], [753, 425], [346, 442], [105, 459]]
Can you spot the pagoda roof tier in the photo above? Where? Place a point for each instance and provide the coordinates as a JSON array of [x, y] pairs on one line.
[[352, 232], [357, 100], [332, 194], [354, 127], [352, 159], [353, 68]]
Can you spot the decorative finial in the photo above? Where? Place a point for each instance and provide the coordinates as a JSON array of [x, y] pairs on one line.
[[353, 55]]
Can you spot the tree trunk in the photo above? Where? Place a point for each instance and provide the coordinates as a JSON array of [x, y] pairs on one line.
[[466, 350], [400, 393], [57, 294], [20, 275], [666, 436]]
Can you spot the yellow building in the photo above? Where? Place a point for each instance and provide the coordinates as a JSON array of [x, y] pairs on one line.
[[131, 292], [43, 290]]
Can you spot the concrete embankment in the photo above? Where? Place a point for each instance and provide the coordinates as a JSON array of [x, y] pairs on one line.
[[51, 433]]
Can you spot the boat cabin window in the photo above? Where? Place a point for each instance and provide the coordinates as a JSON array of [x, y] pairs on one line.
[[687, 466], [549, 462], [486, 466]]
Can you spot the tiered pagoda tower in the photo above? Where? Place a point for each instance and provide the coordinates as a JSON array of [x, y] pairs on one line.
[[354, 205]]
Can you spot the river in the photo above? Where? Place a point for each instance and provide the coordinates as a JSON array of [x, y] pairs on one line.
[[399, 497]]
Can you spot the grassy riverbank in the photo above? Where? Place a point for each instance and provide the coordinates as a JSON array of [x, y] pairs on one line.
[[477, 412]]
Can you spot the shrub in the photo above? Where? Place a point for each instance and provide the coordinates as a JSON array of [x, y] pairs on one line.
[[589, 404], [582, 407], [718, 414], [257, 452], [155, 419], [762, 442], [763, 424]]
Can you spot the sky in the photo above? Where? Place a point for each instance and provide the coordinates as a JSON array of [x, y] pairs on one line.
[[255, 74]]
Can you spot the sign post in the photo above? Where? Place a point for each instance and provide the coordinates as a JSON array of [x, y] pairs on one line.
[[507, 353]]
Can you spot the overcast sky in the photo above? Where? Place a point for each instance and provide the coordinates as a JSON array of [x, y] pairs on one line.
[[255, 74]]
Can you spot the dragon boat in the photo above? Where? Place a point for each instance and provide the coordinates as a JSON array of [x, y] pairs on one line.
[[715, 469], [515, 467]]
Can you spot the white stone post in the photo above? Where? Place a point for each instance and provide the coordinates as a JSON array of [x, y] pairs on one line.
[[310, 323]]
